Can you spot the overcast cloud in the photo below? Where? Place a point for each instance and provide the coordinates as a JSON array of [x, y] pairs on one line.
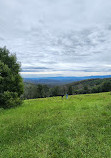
[[58, 37]]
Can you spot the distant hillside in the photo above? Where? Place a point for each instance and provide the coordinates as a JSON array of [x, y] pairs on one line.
[[89, 86], [89, 82], [60, 80]]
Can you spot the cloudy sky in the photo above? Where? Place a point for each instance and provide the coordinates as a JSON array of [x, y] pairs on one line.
[[58, 37]]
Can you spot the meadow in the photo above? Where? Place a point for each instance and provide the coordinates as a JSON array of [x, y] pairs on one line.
[[77, 127]]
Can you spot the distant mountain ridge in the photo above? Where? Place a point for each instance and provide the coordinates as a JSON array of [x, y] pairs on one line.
[[60, 80]]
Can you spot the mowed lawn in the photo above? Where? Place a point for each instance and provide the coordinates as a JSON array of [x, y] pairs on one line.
[[79, 127]]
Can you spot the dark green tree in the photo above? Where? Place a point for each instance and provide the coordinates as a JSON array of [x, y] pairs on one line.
[[40, 91], [45, 91], [70, 90], [86, 89], [55, 91], [106, 86], [11, 84]]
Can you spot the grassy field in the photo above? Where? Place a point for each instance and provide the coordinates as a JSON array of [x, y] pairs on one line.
[[79, 127]]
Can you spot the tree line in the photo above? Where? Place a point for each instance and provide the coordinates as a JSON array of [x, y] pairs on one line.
[[32, 91]]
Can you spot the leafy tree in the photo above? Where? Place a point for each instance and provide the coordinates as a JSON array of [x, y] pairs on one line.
[[70, 90], [55, 91], [40, 91], [106, 86], [11, 85], [86, 89], [45, 91]]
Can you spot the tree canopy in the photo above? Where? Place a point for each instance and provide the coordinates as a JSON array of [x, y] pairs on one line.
[[11, 84]]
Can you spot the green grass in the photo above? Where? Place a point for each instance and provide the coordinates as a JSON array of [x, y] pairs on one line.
[[79, 127]]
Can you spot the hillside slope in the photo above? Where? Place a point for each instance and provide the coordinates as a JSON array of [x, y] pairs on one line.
[[90, 86], [90, 82], [55, 128]]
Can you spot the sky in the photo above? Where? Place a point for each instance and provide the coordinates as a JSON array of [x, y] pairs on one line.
[[58, 37]]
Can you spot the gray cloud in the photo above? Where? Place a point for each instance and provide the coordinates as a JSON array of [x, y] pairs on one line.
[[34, 69]]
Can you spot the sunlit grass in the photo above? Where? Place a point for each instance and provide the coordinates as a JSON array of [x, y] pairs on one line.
[[79, 127]]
